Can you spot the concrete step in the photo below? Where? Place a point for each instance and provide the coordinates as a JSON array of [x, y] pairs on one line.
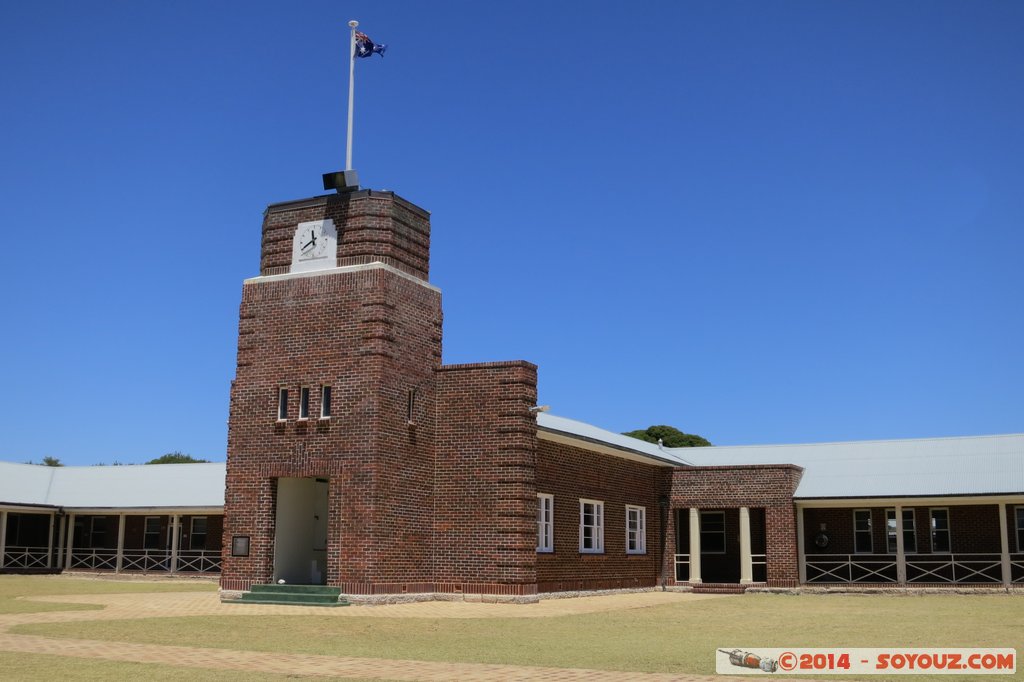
[[286, 602], [719, 588], [296, 589], [296, 595]]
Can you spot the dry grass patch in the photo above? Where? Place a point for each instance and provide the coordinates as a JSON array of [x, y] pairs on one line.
[[18, 666], [677, 638], [13, 586]]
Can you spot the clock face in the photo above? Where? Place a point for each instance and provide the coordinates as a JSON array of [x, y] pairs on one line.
[[314, 246], [312, 241]]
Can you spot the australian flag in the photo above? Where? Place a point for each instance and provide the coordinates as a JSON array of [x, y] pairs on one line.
[[366, 47]]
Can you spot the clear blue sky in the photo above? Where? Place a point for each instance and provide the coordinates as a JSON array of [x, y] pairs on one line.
[[759, 222]]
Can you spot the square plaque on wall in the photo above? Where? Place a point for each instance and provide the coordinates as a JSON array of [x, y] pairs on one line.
[[240, 545]]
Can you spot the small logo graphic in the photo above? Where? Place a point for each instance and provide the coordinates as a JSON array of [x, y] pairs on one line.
[[745, 659]]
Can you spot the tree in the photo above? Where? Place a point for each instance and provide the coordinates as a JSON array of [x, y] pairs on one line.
[[177, 458], [51, 462], [670, 437]]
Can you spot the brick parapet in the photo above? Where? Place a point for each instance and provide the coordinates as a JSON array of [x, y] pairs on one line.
[[485, 499], [372, 226]]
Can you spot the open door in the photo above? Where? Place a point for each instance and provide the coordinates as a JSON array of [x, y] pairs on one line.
[[300, 541]]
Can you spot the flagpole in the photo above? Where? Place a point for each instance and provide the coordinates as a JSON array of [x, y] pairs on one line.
[[351, 92]]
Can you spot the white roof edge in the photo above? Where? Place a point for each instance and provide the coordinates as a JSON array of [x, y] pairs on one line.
[[863, 442], [592, 437]]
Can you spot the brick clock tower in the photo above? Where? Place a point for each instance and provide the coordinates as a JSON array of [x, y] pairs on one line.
[[355, 459]]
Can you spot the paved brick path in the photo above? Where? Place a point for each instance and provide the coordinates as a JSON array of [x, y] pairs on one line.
[[126, 606]]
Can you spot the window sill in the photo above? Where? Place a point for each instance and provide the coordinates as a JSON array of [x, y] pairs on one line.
[[591, 551], [636, 553], [545, 551]]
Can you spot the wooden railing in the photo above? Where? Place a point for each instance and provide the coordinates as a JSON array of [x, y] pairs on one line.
[[146, 560], [26, 557], [954, 569]]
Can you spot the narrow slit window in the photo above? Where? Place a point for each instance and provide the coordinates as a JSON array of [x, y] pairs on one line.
[[325, 402], [282, 404], [410, 407], [304, 403]]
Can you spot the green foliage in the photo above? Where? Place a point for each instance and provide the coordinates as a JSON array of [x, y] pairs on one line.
[[177, 458], [51, 462], [670, 436]]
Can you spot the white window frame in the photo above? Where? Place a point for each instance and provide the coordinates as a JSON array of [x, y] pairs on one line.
[[597, 526], [92, 530], [545, 526], [912, 529], [326, 395], [725, 537], [192, 531], [948, 531], [870, 532], [282, 404], [640, 544], [146, 533], [1017, 517], [303, 403]]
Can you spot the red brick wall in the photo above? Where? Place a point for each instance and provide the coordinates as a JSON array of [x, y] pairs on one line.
[[372, 226], [484, 496], [373, 336], [571, 473], [769, 487]]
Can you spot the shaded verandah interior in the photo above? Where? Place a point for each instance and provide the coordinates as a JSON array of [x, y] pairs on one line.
[[167, 541], [912, 541], [720, 545]]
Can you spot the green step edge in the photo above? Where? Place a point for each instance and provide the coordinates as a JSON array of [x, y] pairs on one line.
[[286, 603], [296, 589]]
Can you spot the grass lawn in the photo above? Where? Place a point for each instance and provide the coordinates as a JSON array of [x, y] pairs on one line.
[[12, 586], [18, 666], [678, 638]]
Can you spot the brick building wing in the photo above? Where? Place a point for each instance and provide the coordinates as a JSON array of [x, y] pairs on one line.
[[357, 460]]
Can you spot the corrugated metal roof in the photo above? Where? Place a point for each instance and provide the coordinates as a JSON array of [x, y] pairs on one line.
[[968, 465], [153, 485], [588, 432]]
